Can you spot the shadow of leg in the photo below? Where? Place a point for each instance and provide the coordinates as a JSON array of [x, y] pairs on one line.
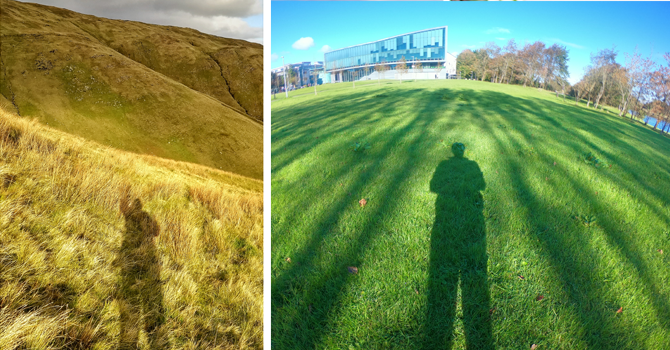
[[476, 303], [442, 296], [152, 304], [129, 325]]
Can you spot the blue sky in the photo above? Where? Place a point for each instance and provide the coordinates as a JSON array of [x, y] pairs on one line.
[[583, 27]]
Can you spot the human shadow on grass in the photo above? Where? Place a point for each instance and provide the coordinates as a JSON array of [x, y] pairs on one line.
[[140, 288], [458, 251], [321, 293], [298, 287]]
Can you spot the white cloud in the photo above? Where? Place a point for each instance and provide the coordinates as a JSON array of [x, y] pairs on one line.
[[303, 43], [567, 43], [274, 57], [469, 46], [501, 38], [495, 30], [325, 49]]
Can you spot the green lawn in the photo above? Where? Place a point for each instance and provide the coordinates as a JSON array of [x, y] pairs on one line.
[[455, 253]]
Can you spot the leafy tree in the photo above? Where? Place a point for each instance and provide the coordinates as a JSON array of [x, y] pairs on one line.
[[483, 56], [466, 62], [291, 75]]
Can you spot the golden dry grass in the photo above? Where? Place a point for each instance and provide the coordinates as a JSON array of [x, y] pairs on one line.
[[105, 249]]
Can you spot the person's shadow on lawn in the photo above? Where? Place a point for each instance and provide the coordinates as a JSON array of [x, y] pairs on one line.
[[140, 287], [458, 251]]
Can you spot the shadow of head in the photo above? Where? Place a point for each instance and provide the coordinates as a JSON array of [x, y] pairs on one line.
[[458, 149], [137, 219]]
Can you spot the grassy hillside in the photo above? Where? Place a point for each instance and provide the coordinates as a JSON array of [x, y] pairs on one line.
[[554, 229], [166, 91], [105, 249]]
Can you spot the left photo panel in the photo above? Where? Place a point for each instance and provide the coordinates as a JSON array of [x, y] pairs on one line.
[[131, 174]]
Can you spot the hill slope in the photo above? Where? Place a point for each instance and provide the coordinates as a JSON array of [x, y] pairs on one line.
[[105, 249], [167, 91]]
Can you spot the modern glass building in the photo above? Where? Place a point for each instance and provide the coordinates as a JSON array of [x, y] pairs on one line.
[[428, 47]]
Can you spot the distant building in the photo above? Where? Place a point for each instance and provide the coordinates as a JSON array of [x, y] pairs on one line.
[[428, 47], [304, 72]]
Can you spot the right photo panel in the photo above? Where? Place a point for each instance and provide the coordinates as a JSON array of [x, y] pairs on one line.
[[470, 175]]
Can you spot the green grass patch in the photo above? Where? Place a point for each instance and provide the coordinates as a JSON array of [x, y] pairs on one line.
[[554, 219]]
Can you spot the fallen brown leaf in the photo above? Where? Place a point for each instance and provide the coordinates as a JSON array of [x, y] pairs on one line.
[[352, 270], [521, 277], [363, 202], [492, 311], [288, 259], [533, 347], [620, 310], [660, 251], [539, 297], [416, 291]]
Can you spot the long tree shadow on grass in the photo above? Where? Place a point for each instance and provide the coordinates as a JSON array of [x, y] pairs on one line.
[[527, 121], [585, 290], [140, 288], [323, 292], [458, 251]]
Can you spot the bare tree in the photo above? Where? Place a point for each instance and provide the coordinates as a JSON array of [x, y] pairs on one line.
[[401, 67], [316, 72], [531, 61], [660, 89], [438, 69], [418, 68], [508, 58], [379, 68], [639, 70], [603, 62], [587, 84], [621, 80]]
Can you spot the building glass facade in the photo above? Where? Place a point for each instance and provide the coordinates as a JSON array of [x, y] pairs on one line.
[[425, 45]]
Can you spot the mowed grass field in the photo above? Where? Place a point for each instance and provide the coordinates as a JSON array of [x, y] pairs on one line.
[[553, 230], [106, 249]]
